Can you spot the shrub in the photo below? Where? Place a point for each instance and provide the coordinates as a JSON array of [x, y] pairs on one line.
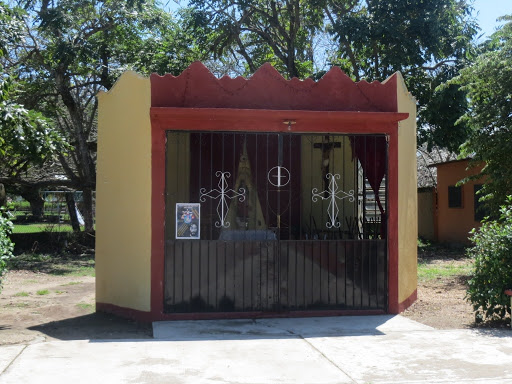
[[492, 270], [6, 245]]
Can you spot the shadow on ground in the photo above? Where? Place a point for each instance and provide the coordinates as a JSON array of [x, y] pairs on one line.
[[95, 326], [105, 327]]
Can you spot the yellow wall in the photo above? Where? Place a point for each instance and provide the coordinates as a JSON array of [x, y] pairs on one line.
[[407, 195], [123, 195], [426, 207]]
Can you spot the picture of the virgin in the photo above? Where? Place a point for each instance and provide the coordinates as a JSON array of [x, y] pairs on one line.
[[188, 220]]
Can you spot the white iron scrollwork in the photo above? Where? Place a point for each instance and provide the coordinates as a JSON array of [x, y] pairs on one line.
[[332, 194], [224, 193], [281, 176]]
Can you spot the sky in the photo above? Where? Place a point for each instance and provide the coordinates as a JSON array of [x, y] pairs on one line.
[[487, 11]]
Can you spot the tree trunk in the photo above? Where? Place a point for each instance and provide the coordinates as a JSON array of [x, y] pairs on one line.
[[70, 201], [3, 196], [33, 196], [88, 212]]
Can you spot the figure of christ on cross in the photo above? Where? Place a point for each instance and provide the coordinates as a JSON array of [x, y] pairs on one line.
[[327, 147]]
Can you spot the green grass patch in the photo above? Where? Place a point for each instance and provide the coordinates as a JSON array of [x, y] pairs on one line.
[[86, 306], [430, 271], [83, 271], [71, 283], [73, 270], [60, 292], [43, 292], [21, 294], [41, 227]]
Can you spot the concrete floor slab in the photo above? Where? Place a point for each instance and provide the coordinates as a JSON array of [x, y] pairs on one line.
[[455, 356], [265, 328], [357, 350], [181, 362], [8, 354]]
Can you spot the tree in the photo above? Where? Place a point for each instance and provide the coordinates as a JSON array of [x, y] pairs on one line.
[[427, 40], [27, 139], [72, 49], [255, 32], [6, 245], [488, 83], [491, 274]]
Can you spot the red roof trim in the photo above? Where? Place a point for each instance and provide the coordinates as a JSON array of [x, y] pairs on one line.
[[197, 87], [274, 120]]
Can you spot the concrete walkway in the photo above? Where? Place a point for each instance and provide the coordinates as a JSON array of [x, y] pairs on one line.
[[374, 349]]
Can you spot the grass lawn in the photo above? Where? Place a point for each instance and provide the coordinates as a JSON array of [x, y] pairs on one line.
[[42, 227], [430, 271], [440, 262]]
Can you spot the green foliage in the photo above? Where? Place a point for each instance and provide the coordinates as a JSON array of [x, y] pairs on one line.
[[73, 49], [6, 245], [441, 129], [254, 32], [492, 273], [488, 83], [26, 137], [10, 26], [428, 41], [396, 35]]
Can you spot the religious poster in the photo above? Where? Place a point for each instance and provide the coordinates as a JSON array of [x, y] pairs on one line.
[[187, 221]]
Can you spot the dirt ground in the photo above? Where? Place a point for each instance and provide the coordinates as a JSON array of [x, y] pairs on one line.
[[441, 299], [441, 303], [57, 304]]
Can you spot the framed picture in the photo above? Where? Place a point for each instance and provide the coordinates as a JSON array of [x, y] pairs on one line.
[[188, 221]]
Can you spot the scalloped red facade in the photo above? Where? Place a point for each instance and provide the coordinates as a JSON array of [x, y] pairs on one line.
[[197, 87], [197, 100]]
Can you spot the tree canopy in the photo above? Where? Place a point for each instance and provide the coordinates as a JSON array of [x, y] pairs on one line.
[[27, 138], [69, 50], [427, 40], [488, 83]]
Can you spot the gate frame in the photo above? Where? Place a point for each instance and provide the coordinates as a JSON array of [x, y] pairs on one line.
[[165, 119]]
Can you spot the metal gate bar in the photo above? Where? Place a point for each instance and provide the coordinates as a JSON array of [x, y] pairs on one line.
[[303, 254]]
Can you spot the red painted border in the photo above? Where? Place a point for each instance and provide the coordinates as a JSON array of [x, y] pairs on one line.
[[162, 120], [158, 141], [134, 314], [227, 119], [201, 112], [393, 305], [197, 87], [408, 302], [147, 317]]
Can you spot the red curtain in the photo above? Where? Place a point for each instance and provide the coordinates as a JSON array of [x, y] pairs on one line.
[[371, 153]]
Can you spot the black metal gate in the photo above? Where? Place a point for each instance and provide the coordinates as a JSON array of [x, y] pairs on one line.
[[275, 222]]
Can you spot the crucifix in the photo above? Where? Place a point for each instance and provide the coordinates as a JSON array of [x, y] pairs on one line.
[[327, 147]]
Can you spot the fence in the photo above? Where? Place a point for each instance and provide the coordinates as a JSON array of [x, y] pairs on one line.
[[50, 215]]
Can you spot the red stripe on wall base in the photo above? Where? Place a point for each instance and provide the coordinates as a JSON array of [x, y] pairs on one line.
[[408, 302], [147, 317], [128, 313]]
